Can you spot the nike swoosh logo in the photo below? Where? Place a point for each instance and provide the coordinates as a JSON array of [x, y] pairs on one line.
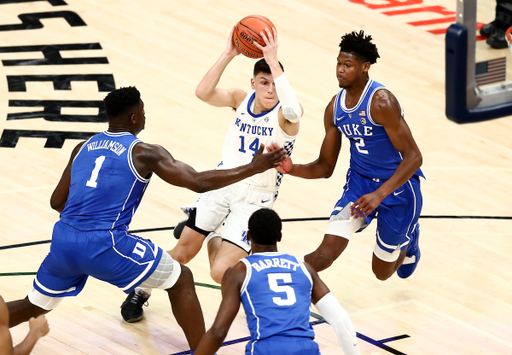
[[398, 193], [264, 201]]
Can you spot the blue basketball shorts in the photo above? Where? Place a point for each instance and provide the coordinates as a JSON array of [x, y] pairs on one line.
[[282, 345], [397, 215], [114, 256]]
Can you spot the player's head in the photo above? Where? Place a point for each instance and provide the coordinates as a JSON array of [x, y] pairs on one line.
[[124, 105], [263, 83], [261, 66], [359, 45], [265, 227], [357, 53]]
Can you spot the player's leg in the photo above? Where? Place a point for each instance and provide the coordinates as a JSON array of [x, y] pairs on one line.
[[234, 245], [341, 225], [385, 263], [214, 241], [413, 254], [178, 282], [398, 232], [191, 240], [186, 308], [188, 245], [228, 254], [329, 250], [22, 310], [54, 280], [339, 230]]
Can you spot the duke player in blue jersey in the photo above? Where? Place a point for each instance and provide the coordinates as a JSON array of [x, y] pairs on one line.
[[383, 178], [97, 196], [276, 291]]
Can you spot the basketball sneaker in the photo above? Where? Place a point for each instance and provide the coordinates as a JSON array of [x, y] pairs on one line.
[[497, 39], [131, 309], [488, 29], [412, 256]]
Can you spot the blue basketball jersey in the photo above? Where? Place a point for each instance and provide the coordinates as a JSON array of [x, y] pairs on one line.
[[276, 295], [371, 152], [105, 188]]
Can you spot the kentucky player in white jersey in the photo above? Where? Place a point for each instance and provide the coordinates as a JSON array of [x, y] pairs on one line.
[[268, 114], [383, 178], [98, 194], [276, 291]]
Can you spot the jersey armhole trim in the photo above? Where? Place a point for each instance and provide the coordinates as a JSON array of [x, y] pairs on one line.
[[370, 104], [305, 269], [82, 147], [130, 162], [248, 273]]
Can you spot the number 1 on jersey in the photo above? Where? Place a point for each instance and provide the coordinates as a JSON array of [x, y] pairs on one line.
[[94, 176]]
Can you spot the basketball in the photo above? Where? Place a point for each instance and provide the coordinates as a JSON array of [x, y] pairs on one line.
[[247, 31]]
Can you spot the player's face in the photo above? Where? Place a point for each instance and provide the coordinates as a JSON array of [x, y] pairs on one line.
[[266, 94], [350, 69]]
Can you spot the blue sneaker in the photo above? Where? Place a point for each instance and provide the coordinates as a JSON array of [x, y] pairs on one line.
[[412, 257]]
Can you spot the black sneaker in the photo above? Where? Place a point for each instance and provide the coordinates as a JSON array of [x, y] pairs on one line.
[[131, 309], [497, 39], [488, 29]]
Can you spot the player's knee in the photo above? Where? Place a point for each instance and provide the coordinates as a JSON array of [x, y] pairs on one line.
[[186, 279], [382, 274], [320, 261], [180, 255], [217, 272]]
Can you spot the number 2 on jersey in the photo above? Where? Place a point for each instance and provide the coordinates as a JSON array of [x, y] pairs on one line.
[[254, 146], [290, 292], [94, 175]]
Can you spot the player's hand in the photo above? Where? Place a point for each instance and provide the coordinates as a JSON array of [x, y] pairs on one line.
[[286, 165], [270, 49], [365, 205], [39, 326], [231, 48], [269, 160]]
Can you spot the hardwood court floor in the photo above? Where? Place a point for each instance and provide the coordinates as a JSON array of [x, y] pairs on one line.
[[459, 301]]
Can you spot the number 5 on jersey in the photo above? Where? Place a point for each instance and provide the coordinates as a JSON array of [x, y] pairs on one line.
[[290, 293]]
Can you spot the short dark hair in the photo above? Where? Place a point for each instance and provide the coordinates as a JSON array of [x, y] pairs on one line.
[[360, 45], [265, 227], [119, 101], [261, 66]]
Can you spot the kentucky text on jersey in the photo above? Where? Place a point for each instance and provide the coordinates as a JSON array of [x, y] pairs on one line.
[[114, 146], [258, 130], [275, 262]]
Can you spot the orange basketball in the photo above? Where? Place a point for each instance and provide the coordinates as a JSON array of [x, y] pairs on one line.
[[247, 31]]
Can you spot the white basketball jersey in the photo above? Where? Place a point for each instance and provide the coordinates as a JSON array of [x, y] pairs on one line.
[[245, 134]]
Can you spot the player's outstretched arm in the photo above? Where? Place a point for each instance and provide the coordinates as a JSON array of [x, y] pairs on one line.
[[324, 165], [150, 157], [38, 328], [61, 192], [207, 89], [231, 285], [329, 308]]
